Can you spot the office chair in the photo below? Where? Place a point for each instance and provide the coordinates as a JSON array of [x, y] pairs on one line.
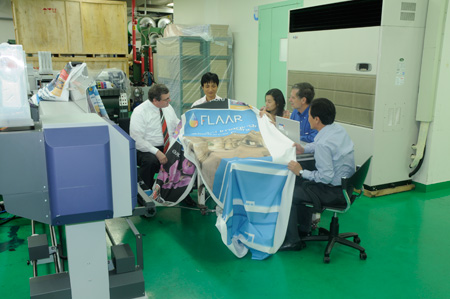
[[352, 188]]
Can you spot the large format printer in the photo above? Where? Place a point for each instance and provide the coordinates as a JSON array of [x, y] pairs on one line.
[[74, 169]]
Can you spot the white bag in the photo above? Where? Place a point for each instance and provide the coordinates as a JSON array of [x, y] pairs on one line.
[[57, 90]]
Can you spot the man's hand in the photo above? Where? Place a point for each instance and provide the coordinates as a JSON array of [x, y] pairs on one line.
[[299, 149], [161, 157], [295, 167]]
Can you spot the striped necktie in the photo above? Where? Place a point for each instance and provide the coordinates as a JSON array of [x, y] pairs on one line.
[[164, 131]]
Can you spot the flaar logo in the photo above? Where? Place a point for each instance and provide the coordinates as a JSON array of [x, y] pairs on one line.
[[193, 122], [213, 120]]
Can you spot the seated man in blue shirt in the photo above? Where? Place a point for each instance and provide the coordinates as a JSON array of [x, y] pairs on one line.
[[333, 153], [301, 96]]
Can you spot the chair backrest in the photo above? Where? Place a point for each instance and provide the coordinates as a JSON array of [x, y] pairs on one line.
[[356, 181], [358, 178]]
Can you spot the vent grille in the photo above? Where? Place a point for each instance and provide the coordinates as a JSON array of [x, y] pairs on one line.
[[408, 6], [342, 15], [407, 16], [408, 11]]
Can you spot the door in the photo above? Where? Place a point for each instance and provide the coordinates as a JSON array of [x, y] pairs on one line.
[[272, 35]]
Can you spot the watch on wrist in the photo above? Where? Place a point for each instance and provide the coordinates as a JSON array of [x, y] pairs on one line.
[[301, 172]]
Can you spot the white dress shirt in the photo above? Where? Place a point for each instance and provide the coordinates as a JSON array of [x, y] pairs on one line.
[[146, 128], [333, 152], [203, 100]]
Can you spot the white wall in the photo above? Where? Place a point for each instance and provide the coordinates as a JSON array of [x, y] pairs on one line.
[[436, 168], [6, 21], [238, 14]]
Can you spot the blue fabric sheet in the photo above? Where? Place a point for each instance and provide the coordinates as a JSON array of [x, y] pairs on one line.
[[250, 184]]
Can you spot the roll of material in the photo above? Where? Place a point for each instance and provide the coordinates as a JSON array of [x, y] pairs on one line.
[[144, 23]]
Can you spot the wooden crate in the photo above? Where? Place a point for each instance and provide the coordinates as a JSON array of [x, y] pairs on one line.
[[94, 64], [71, 26]]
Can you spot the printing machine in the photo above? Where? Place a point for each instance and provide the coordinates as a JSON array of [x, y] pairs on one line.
[[72, 169]]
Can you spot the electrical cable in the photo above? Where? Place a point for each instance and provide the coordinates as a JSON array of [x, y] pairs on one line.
[[419, 164], [8, 219]]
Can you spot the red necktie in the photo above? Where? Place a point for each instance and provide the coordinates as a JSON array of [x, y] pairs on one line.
[[164, 131]]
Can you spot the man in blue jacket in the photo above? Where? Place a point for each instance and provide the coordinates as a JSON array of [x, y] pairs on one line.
[[301, 96]]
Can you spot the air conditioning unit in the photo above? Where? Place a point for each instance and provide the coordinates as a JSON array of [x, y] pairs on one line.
[[365, 56]]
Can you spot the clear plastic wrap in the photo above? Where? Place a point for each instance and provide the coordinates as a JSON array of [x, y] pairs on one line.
[[116, 77], [206, 31], [14, 106], [186, 53], [112, 78]]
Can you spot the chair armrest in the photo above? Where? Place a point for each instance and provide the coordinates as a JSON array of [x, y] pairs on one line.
[[344, 183]]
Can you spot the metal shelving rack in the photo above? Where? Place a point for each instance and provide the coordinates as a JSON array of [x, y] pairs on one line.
[[182, 60]]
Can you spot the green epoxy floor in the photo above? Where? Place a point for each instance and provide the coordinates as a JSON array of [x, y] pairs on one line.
[[405, 236]]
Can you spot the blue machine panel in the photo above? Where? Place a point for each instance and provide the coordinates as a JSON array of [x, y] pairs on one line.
[[133, 164], [79, 174]]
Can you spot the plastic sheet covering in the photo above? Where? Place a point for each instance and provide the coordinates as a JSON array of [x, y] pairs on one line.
[[206, 31], [186, 53], [14, 107]]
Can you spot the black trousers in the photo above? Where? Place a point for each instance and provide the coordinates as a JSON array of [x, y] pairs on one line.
[[301, 215], [148, 166]]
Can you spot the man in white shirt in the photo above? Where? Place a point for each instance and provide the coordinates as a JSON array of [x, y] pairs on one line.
[[210, 84], [146, 130], [334, 157]]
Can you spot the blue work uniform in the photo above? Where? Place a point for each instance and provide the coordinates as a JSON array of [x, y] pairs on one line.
[[306, 133]]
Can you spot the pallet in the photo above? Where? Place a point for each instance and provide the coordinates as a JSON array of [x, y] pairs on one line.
[[387, 191], [94, 64], [56, 55]]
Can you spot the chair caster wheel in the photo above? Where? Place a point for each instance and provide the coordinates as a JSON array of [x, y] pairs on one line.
[[357, 240], [326, 260], [363, 256]]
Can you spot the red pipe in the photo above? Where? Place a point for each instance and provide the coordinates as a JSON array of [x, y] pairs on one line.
[[150, 58], [142, 66], [134, 23]]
